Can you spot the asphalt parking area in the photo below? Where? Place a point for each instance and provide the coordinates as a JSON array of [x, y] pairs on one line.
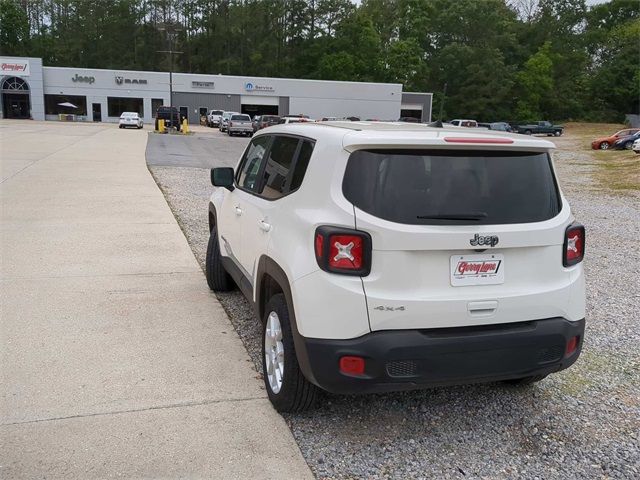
[[580, 423], [204, 149]]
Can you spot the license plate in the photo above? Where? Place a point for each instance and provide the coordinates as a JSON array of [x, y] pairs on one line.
[[480, 269]]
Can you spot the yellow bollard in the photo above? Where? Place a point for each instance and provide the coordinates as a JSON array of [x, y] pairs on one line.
[[185, 126], [161, 126]]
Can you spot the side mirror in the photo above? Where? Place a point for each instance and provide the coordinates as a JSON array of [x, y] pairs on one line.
[[222, 177]]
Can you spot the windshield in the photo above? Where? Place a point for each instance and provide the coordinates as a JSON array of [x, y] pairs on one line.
[[431, 187]]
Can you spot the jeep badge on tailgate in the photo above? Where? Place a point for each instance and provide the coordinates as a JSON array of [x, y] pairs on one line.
[[489, 240]]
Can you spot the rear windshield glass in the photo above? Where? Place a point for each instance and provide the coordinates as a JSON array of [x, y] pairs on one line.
[[431, 187], [241, 117], [216, 112]]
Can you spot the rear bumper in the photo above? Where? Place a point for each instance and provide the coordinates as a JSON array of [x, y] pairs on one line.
[[409, 359], [241, 129]]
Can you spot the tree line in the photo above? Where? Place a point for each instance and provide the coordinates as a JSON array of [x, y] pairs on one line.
[[511, 60]]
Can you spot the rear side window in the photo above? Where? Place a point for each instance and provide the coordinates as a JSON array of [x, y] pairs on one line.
[[301, 164], [431, 187], [281, 155]]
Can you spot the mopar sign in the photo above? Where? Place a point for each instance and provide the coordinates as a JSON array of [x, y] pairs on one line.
[[252, 87]]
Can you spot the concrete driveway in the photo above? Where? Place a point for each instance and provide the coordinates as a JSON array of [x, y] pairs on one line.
[[116, 360]]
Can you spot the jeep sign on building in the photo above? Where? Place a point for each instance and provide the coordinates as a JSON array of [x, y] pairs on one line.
[[30, 90]]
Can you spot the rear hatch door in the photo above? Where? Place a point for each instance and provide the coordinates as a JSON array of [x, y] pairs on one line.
[[460, 237]]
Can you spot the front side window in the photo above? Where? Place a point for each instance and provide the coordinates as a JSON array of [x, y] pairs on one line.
[[247, 174]]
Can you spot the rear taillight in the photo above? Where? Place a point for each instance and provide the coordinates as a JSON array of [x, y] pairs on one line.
[[344, 251], [573, 250]]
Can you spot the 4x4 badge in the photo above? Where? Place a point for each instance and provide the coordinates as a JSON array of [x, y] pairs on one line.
[[488, 241]]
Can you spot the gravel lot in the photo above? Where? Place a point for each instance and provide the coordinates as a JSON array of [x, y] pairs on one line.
[[580, 423]]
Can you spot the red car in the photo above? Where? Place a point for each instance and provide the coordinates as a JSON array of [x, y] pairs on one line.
[[605, 142]]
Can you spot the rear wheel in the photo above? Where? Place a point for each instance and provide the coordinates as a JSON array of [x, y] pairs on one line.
[[217, 277], [604, 146], [558, 133], [287, 388], [525, 380], [527, 132]]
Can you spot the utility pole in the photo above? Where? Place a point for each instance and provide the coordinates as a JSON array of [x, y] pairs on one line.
[[172, 32], [444, 95]]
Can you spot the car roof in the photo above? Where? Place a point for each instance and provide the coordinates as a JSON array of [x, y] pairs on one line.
[[362, 134]]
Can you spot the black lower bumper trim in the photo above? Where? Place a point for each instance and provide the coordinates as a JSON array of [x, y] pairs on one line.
[[408, 359]]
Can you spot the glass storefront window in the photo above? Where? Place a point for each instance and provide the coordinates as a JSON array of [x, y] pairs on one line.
[[61, 104], [117, 105]]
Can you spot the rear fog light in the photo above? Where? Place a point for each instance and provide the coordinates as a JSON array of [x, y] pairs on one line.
[[572, 346], [351, 365]]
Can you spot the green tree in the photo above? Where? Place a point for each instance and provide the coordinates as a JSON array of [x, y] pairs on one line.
[[14, 29], [535, 85]]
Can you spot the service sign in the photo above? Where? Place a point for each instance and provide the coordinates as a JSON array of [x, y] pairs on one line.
[[12, 66]]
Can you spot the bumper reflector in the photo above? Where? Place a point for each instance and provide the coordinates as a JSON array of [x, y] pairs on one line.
[[572, 345], [352, 365]]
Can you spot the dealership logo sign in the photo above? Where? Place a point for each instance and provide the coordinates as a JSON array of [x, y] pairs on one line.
[[130, 81], [14, 67], [202, 84], [252, 87], [83, 79]]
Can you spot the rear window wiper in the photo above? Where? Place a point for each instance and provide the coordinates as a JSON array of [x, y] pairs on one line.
[[455, 216]]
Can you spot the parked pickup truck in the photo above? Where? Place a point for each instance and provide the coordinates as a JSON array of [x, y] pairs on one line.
[[540, 128]]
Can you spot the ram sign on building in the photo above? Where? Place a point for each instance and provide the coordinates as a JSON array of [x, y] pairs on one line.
[[30, 90]]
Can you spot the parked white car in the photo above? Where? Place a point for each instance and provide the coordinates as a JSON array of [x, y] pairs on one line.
[[464, 123], [636, 146], [284, 120], [213, 118], [130, 119], [384, 256]]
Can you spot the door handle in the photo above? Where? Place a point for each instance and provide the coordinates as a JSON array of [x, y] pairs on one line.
[[482, 309], [264, 225], [238, 210]]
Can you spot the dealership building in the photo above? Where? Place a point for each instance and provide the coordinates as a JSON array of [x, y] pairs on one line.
[[31, 90]]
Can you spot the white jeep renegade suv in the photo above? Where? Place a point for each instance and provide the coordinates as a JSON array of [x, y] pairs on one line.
[[384, 256]]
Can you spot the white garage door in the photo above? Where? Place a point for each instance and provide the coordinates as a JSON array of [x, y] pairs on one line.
[[259, 100]]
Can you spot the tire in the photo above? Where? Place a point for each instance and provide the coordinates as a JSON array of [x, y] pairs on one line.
[[520, 382], [604, 146], [557, 133], [628, 145], [294, 392], [217, 277], [527, 132]]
